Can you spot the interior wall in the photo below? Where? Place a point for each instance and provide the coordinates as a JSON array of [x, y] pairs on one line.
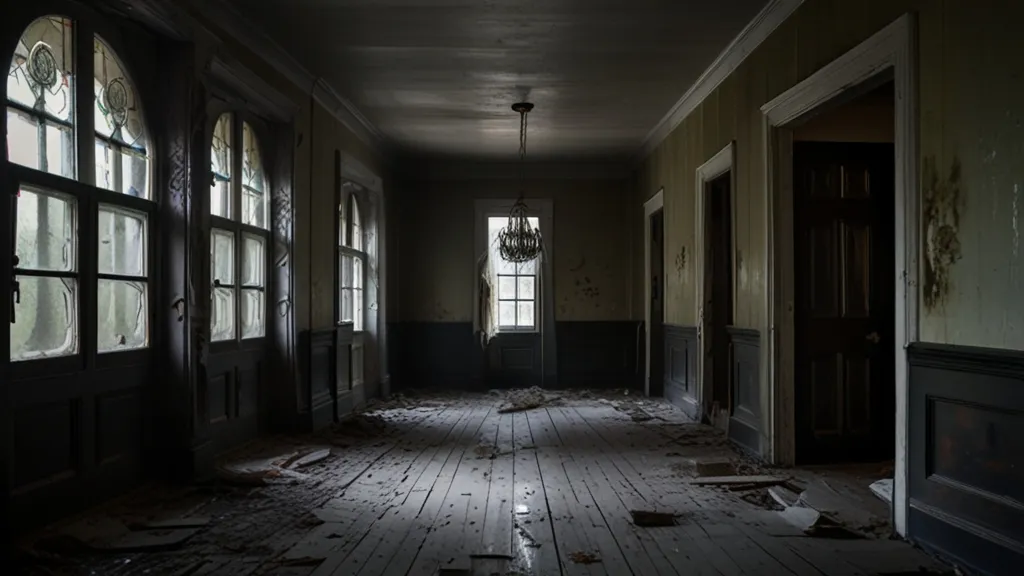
[[435, 267], [590, 248], [970, 147]]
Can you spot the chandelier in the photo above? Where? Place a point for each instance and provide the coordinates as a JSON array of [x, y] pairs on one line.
[[519, 242]]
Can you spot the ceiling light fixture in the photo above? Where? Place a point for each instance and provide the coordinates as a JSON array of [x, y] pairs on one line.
[[519, 242]]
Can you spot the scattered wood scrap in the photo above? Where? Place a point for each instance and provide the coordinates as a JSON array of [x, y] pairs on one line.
[[745, 481]]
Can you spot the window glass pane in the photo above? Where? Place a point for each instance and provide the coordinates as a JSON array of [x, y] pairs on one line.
[[346, 271], [222, 257], [220, 165], [25, 135], [253, 324], [356, 239], [23, 139], [357, 310], [253, 261], [104, 165], [121, 315], [524, 318], [342, 223], [122, 241], [357, 272], [41, 75], [222, 317], [254, 183], [527, 267], [506, 287], [346, 304], [526, 288], [46, 231], [134, 173], [46, 320], [506, 313], [117, 112]]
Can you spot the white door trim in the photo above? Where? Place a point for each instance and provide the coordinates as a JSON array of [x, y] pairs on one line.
[[655, 203], [893, 48], [719, 164]]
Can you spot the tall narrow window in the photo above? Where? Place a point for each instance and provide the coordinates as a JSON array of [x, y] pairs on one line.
[[43, 119], [352, 259], [516, 283], [238, 237]]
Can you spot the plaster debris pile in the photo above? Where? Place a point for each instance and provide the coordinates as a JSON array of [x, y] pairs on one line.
[[522, 400]]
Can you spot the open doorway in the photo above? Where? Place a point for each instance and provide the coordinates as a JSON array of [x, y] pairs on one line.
[[656, 303], [718, 307], [844, 250]]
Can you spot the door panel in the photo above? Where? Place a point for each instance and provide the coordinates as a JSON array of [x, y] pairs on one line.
[[514, 361], [845, 279]]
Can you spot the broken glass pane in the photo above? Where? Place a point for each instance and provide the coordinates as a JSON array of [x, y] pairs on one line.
[[121, 315]]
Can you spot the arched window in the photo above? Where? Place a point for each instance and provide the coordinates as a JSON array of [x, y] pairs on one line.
[[351, 258], [85, 231], [239, 216]]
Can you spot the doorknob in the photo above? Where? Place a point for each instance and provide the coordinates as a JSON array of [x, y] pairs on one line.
[[874, 338]]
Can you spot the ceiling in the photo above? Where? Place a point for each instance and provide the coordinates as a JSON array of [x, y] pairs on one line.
[[438, 77]]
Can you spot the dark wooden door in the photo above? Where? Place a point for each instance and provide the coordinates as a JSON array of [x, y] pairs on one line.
[[718, 314], [845, 301], [514, 360], [656, 385]]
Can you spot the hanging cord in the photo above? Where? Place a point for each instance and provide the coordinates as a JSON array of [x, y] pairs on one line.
[[523, 114]]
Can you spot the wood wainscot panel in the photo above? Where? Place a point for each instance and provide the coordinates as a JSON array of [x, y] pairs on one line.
[[601, 354], [435, 355], [344, 402], [966, 454], [681, 347], [234, 379], [744, 388]]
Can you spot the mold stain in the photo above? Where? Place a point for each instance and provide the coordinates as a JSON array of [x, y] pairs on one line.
[[942, 211], [681, 261]]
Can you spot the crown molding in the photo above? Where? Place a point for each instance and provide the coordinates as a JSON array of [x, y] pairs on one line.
[[221, 14], [755, 32]]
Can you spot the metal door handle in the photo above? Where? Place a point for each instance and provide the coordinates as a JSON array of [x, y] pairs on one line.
[[874, 338]]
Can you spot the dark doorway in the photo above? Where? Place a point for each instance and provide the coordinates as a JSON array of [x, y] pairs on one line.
[[656, 386], [718, 296], [844, 236]]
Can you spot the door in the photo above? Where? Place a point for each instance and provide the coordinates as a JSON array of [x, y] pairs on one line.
[[718, 308], [845, 301], [656, 383]]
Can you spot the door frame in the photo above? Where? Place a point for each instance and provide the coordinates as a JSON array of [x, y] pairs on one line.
[[651, 207], [891, 50], [723, 161]]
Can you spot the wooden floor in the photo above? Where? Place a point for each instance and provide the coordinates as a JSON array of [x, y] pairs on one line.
[[422, 488]]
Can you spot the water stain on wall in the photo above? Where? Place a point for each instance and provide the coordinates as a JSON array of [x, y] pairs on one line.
[[681, 261], [942, 209]]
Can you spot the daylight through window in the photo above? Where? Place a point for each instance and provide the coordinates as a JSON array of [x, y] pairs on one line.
[[351, 258], [516, 283], [238, 237], [44, 122]]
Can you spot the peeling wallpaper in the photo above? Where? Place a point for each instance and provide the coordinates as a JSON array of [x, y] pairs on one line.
[[971, 145], [590, 255]]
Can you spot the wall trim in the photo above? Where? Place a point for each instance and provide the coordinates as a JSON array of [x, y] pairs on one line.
[[723, 161], [355, 171], [247, 86], [755, 32], [892, 48], [651, 207], [254, 38]]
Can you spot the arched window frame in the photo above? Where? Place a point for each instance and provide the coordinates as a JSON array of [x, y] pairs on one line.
[[221, 227], [85, 202], [352, 257]]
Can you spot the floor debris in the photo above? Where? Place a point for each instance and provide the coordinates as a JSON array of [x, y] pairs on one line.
[[751, 481], [584, 558], [647, 519], [713, 468], [522, 400], [883, 489]]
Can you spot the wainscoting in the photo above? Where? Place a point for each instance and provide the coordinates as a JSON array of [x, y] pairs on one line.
[[447, 355], [966, 451], [328, 393], [600, 354], [681, 368], [744, 382]]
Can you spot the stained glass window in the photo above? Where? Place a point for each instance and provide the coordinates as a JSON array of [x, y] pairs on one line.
[[122, 162]]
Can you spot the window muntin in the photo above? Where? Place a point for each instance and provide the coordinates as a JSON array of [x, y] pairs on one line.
[[516, 284], [43, 120], [238, 237]]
